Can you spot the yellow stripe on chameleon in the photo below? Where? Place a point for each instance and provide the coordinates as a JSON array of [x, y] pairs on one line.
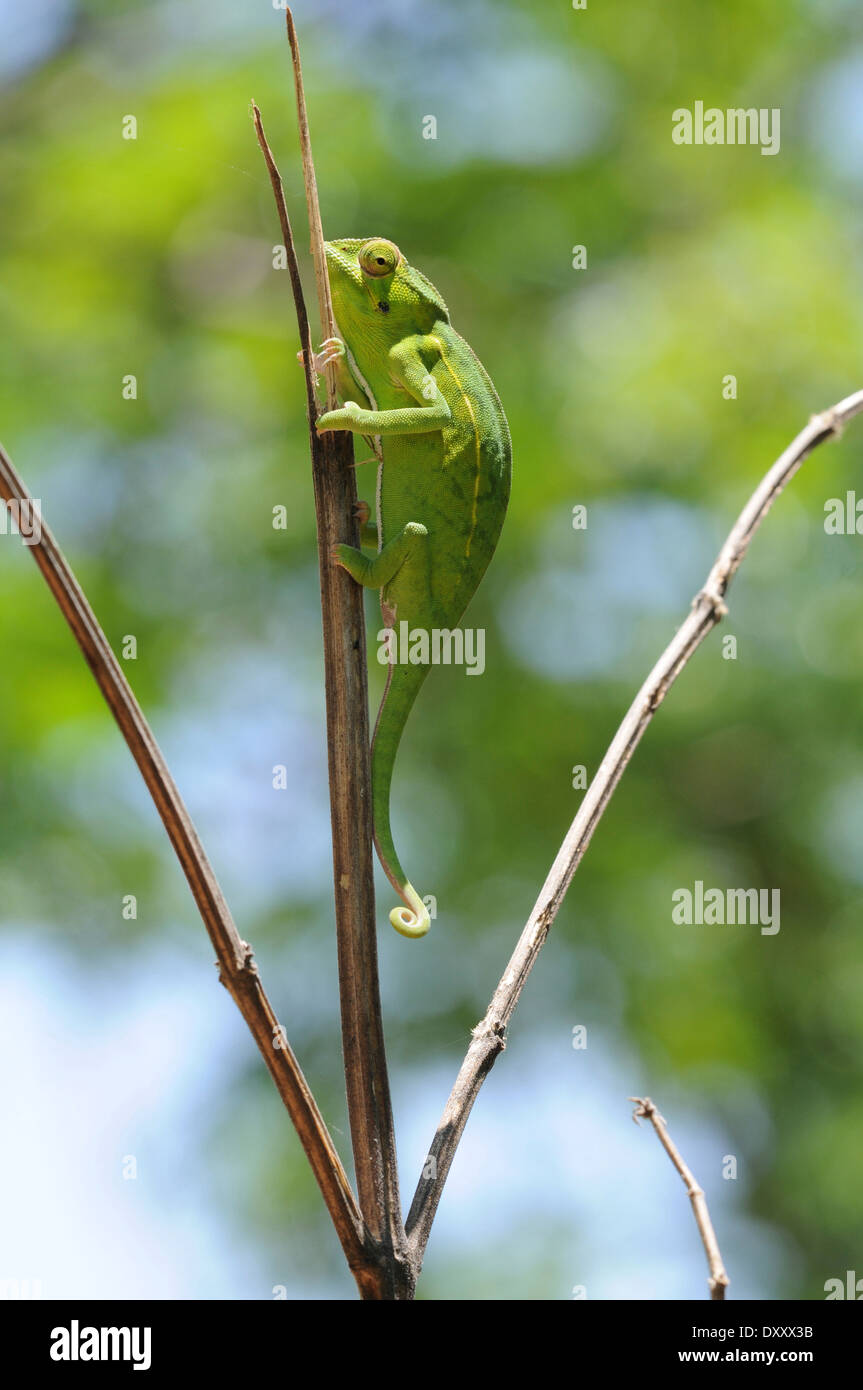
[[469, 406]]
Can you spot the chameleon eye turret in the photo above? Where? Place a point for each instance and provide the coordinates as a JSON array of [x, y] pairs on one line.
[[443, 487], [379, 258]]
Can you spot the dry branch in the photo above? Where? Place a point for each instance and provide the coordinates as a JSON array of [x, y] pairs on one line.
[[489, 1036], [718, 1281], [389, 1272], [237, 968]]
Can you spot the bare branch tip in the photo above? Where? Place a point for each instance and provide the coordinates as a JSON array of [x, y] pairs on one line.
[[646, 1110]]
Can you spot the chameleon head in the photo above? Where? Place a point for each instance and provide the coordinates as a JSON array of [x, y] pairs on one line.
[[371, 274]]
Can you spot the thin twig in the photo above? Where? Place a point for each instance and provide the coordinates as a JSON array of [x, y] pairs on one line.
[[489, 1037], [718, 1281], [389, 1273], [294, 272], [237, 968], [313, 208]]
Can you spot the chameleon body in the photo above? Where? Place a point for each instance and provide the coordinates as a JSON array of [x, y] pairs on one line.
[[441, 438]]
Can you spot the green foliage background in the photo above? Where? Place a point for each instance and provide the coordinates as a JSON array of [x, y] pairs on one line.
[[154, 257]]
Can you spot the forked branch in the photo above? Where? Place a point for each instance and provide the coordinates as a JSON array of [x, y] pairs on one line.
[[384, 1257]]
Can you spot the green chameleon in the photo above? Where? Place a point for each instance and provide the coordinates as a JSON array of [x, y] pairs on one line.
[[439, 433]]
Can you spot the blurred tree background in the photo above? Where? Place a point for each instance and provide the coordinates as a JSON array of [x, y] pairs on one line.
[[153, 257]]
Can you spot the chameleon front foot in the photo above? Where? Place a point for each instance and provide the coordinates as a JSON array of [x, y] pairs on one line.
[[346, 418], [411, 919], [331, 350]]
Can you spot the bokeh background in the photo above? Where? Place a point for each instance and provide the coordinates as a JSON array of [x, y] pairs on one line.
[[153, 257]]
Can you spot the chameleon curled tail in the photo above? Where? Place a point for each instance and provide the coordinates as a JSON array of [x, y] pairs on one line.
[[403, 682]]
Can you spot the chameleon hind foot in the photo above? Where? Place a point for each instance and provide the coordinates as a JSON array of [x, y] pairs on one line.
[[374, 571], [368, 528]]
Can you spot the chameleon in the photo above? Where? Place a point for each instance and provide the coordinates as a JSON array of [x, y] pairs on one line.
[[438, 431]]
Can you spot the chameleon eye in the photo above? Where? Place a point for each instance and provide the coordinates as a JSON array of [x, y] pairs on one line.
[[379, 258]]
